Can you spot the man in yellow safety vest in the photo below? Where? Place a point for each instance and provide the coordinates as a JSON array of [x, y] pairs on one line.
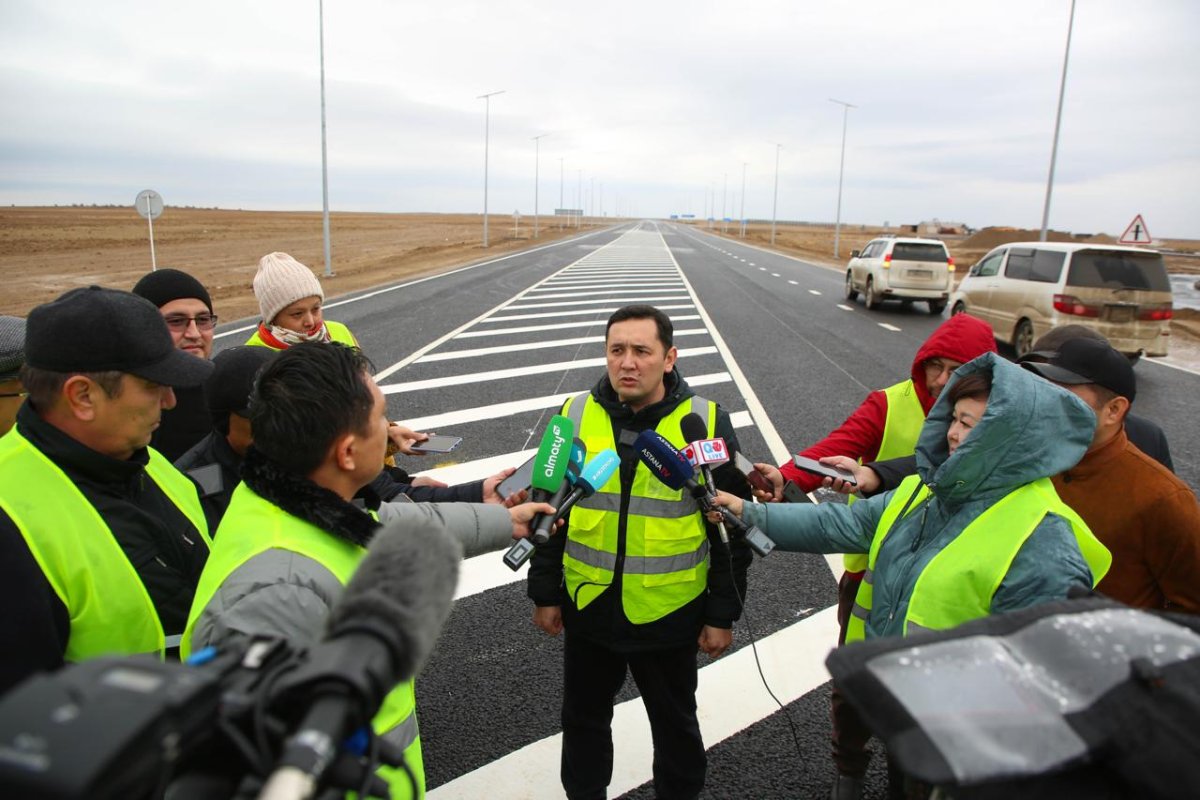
[[639, 582], [102, 541]]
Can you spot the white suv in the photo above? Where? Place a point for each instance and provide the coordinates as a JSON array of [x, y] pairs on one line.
[[902, 269]]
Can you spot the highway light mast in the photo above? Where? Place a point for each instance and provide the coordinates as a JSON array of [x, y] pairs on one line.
[[837, 225], [1062, 88], [324, 157], [775, 202], [537, 154], [487, 111]]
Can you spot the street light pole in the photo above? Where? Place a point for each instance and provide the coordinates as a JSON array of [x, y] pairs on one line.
[[837, 225], [561, 183], [742, 213], [537, 155], [487, 112], [724, 205], [1062, 88], [775, 202], [324, 156]]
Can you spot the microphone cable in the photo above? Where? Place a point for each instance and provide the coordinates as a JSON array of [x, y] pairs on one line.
[[804, 770]]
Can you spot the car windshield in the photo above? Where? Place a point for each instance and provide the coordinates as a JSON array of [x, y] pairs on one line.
[[1118, 270], [915, 251]]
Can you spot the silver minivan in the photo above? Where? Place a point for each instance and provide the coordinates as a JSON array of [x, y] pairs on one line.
[[1024, 289]]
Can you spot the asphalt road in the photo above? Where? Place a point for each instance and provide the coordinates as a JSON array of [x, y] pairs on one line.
[[488, 353]]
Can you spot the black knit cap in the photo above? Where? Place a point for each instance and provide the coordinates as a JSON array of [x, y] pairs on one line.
[[227, 390], [164, 285], [97, 329]]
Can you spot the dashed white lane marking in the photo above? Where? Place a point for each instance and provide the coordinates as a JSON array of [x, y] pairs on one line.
[[774, 274], [447, 419], [762, 269], [793, 661], [845, 307], [814, 291], [888, 327], [794, 283], [591, 323], [450, 355], [517, 372], [751, 263]]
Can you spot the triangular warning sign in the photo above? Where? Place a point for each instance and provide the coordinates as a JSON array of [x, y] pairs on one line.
[[1136, 233]]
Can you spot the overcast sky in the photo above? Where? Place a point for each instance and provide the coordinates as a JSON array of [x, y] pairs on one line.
[[217, 103]]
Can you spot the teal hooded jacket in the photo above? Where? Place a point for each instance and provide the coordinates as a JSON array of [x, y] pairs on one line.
[[1031, 429]]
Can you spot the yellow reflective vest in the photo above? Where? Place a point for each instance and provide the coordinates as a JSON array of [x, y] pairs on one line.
[[110, 611], [665, 561], [253, 526], [957, 585], [901, 429], [337, 333]]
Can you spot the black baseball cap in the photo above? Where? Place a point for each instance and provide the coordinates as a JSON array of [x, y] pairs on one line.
[[95, 329], [1080, 361]]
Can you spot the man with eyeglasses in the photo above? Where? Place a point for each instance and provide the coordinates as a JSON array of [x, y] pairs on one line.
[[886, 425], [187, 309], [12, 356]]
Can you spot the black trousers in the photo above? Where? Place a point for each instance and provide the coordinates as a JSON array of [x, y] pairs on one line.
[[592, 676]]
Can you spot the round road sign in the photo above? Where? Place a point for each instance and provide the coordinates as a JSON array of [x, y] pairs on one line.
[[149, 204]]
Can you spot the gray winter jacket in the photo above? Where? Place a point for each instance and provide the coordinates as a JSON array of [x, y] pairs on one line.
[[1031, 429], [283, 593]]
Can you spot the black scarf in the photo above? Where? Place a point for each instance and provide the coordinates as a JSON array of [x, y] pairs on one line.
[[302, 498]]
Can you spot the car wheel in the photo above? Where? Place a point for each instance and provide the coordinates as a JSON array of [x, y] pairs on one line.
[[870, 298], [851, 292], [1023, 338], [938, 306], [959, 308]]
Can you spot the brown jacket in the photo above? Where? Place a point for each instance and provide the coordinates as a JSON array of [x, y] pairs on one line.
[[1147, 517]]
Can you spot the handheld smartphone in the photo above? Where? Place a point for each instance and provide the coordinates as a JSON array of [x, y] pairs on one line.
[[521, 479], [437, 444], [794, 494], [756, 478], [817, 468]]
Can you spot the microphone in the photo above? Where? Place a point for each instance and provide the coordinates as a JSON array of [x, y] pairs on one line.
[[672, 468], [379, 634], [597, 473], [550, 463], [545, 523], [694, 432], [549, 470]]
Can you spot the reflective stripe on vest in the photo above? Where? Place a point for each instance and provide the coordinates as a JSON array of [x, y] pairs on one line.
[[337, 333], [664, 563], [958, 583], [901, 429], [252, 526], [109, 609]]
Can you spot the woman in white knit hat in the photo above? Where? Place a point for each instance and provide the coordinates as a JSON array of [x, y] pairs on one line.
[[290, 297]]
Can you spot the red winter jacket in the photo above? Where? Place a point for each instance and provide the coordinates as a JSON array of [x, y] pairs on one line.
[[960, 338]]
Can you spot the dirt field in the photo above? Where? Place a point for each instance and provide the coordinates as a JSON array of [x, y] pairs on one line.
[[45, 251]]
